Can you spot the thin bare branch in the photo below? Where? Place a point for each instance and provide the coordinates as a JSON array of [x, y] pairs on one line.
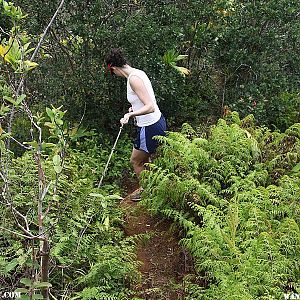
[[19, 225], [3, 31], [20, 86], [31, 237], [20, 144], [21, 216], [15, 211], [83, 115], [41, 41], [17, 233], [46, 30]]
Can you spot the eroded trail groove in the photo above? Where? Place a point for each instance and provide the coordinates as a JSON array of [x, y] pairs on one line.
[[163, 262]]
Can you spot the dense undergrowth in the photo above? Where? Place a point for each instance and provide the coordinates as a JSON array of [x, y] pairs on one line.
[[90, 258], [235, 192], [234, 189]]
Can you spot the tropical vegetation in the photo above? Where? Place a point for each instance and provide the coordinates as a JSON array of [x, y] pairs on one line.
[[226, 76]]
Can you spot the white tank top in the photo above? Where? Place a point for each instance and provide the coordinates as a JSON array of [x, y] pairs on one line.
[[136, 103]]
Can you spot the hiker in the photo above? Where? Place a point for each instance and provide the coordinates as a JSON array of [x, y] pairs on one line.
[[149, 120]]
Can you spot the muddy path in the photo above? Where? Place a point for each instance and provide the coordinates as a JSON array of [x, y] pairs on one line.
[[163, 262]]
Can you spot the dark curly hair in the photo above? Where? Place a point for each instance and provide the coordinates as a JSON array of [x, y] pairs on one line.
[[116, 58]]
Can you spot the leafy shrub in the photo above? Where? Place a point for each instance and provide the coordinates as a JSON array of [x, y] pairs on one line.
[[235, 195], [88, 249]]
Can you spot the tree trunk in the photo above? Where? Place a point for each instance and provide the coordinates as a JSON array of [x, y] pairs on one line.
[[45, 267]]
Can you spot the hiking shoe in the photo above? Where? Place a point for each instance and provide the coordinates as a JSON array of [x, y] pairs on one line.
[[136, 197]]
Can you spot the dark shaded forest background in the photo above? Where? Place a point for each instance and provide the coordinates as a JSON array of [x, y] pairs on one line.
[[243, 56]]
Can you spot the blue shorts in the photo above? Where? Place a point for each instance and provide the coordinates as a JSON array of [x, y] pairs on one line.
[[144, 140]]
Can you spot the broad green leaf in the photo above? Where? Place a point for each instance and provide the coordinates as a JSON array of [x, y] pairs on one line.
[[30, 65], [20, 99], [104, 204], [106, 223], [59, 121], [58, 169], [4, 136], [48, 145], [26, 281], [296, 168], [4, 110], [11, 53], [11, 265], [56, 160], [37, 296], [21, 290], [10, 99], [114, 197], [96, 195], [50, 125], [50, 113], [25, 47], [5, 5], [42, 284]]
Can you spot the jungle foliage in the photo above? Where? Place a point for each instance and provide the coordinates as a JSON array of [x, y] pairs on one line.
[[233, 187], [90, 256], [235, 191], [61, 237], [241, 54]]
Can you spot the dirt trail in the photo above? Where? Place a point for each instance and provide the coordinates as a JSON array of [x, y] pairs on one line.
[[164, 263]]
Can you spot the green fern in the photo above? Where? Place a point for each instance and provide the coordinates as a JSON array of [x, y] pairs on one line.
[[236, 198]]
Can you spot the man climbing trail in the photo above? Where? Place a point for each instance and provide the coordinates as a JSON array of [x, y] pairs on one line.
[[149, 119]]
